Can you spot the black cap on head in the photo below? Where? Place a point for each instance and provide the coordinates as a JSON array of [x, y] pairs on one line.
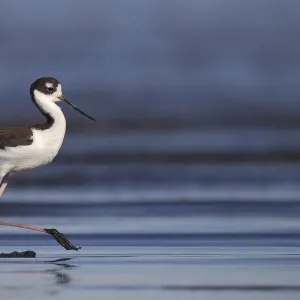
[[46, 85]]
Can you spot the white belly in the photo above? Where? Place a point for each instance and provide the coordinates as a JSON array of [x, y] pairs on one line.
[[45, 146]]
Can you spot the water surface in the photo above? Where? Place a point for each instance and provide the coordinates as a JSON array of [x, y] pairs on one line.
[[157, 220], [154, 272]]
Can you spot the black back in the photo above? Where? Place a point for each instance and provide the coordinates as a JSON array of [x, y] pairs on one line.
[[15, 136]]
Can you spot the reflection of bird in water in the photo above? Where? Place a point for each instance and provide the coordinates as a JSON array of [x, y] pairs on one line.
[[38, 278], [60, 275], [25, 148]]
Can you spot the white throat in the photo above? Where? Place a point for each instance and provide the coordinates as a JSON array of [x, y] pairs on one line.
[[49, 137], [49, 108], [56, 122]]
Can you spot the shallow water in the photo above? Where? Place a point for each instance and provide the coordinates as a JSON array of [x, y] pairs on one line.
[[162, 229], [166, 197], [153, 273]]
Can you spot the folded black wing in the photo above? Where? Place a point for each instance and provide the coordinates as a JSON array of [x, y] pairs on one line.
[[15, 136]]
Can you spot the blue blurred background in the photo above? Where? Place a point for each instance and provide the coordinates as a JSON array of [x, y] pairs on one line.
[[197, 108]]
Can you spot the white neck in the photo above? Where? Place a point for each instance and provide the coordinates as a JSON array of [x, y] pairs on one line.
[[50, 110]]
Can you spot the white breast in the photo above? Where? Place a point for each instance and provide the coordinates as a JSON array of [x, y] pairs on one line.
[[42, 151], [45, 146]]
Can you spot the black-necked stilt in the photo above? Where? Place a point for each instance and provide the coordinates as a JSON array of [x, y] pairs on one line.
[[25, 148]]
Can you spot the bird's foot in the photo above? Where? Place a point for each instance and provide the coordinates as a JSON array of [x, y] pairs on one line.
[[61, 239]]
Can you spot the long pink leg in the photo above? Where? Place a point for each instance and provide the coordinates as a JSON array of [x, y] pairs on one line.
[[23, 226], [60, 238], [3, 185]]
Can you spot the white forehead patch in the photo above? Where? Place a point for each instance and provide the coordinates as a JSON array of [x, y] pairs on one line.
[[59, 90], [49, 84]]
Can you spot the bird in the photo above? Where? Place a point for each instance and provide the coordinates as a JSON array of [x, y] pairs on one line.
[[29, 147]]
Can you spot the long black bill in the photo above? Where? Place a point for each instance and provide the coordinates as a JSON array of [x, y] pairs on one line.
[[75, 107]]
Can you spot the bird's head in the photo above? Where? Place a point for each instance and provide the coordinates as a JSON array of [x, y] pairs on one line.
[[50, 89]]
